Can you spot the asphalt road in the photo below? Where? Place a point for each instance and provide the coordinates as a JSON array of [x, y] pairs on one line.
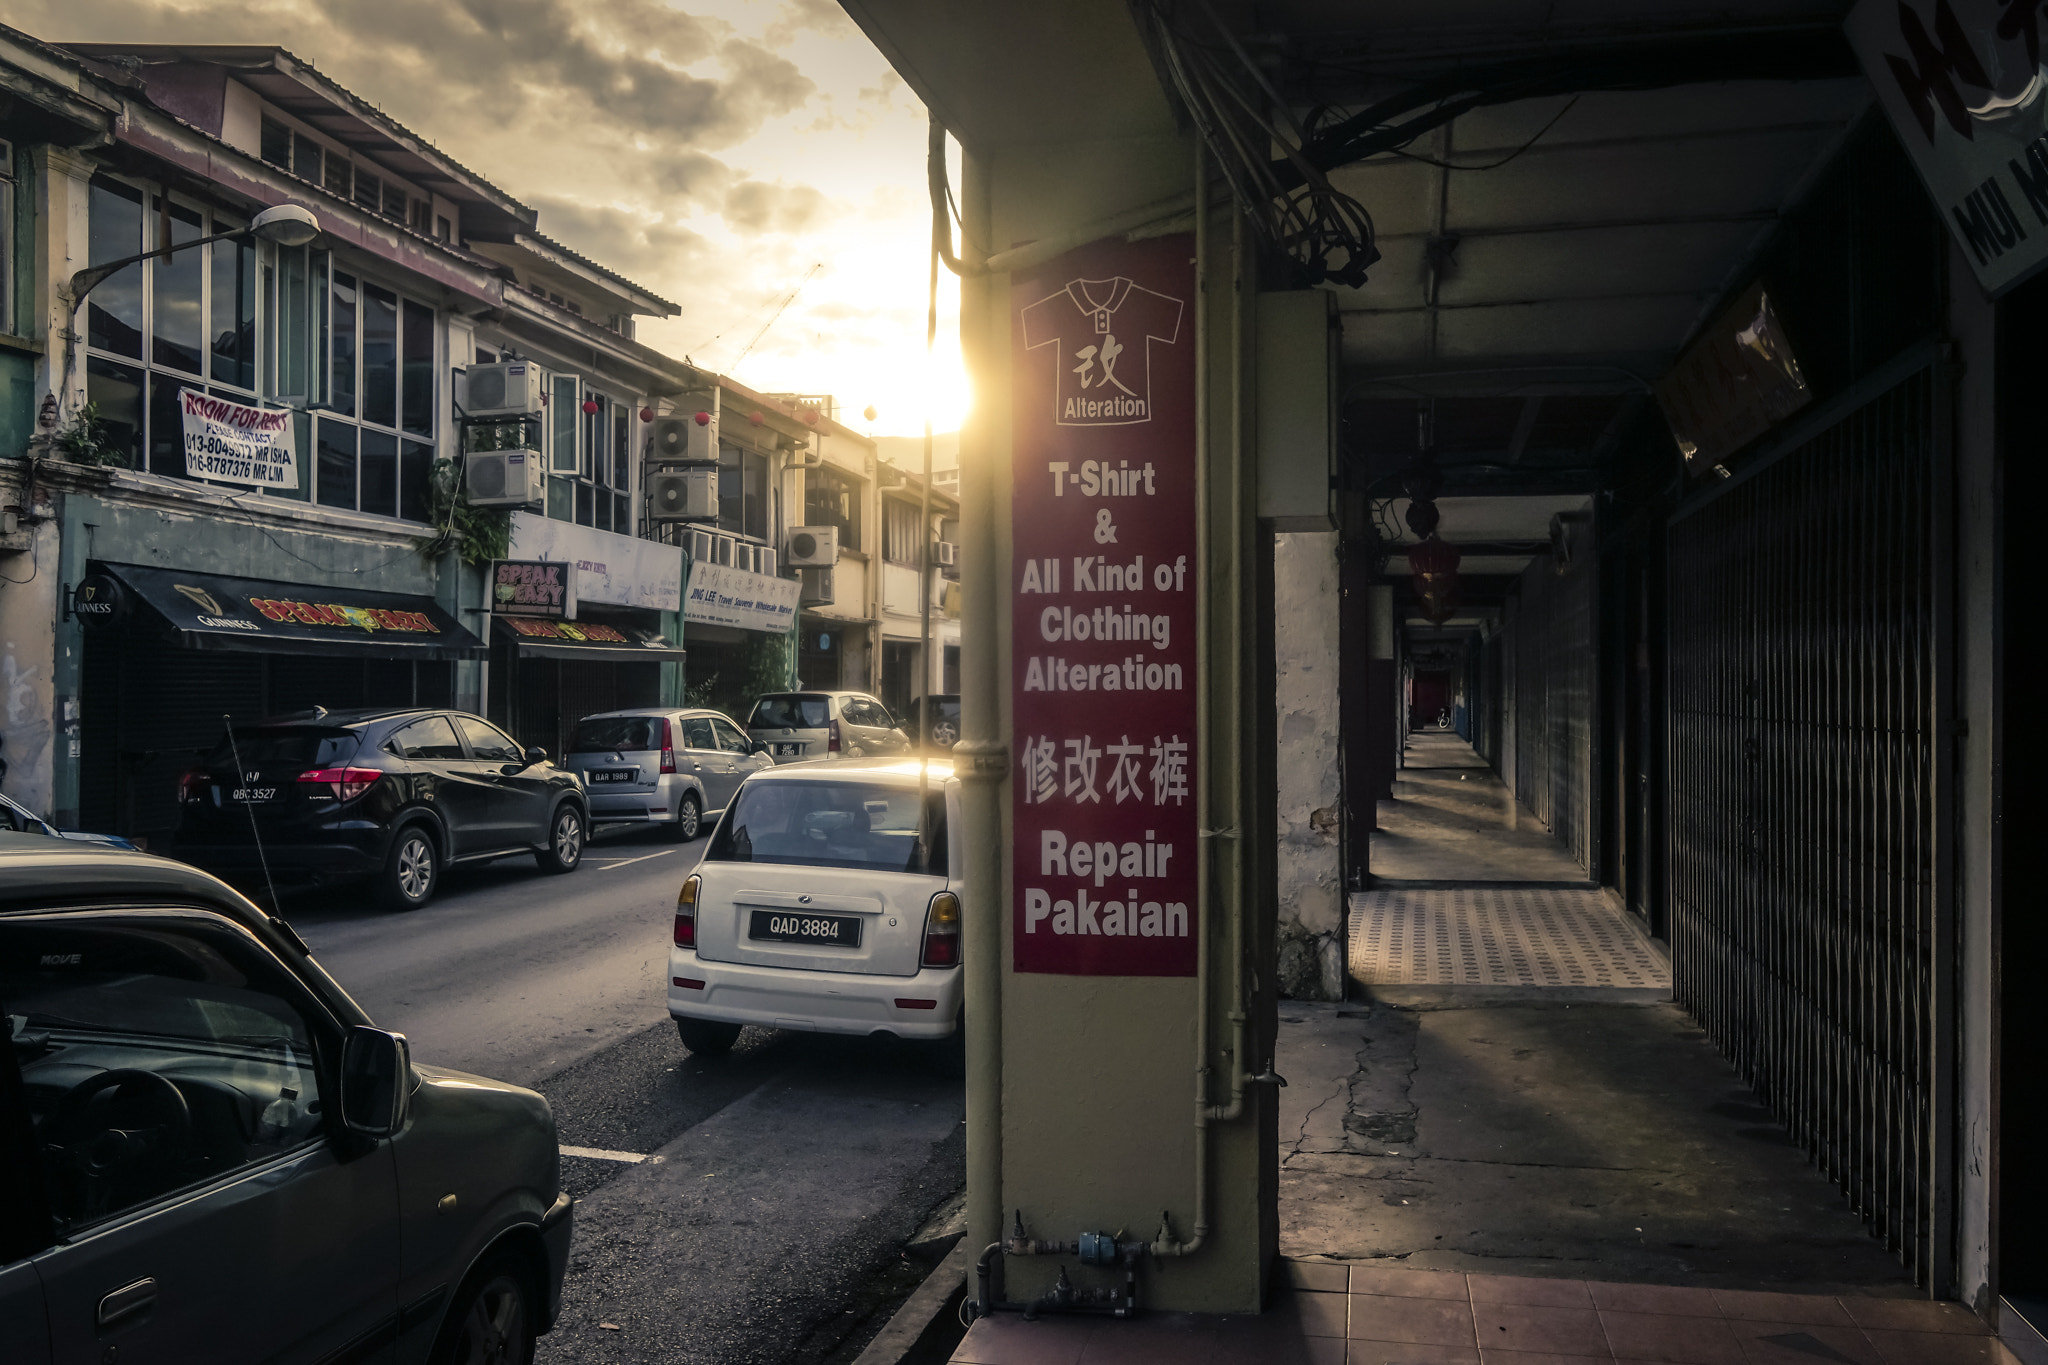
[[764, 1221]]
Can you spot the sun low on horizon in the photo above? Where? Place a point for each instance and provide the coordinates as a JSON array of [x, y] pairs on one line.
[[754, 162]]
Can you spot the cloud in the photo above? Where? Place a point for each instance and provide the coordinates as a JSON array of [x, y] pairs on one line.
[[622, 240], [752, 207]]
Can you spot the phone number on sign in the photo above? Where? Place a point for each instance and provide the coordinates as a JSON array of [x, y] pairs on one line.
[[210, 455]]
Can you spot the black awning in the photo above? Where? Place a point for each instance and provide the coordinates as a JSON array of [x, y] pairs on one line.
[[537, 637], [214, 611]]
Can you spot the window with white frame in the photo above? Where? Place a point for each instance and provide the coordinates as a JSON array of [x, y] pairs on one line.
[[588, 433], [900, 541], [370, 188], [271, 327]]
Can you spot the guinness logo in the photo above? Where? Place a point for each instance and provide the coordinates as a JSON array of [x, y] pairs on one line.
[[199, 598], [98, 600]]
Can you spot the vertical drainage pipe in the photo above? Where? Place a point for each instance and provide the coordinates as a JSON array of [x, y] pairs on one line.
[[981, 757]]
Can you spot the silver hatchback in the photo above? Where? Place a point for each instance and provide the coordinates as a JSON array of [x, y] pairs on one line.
[[662, 766], [797, 726]]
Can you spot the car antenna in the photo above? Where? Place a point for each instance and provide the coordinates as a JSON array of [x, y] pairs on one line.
[[261, 857]]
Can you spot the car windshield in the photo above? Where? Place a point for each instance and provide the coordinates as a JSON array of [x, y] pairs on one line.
[[616, 733], [791, 712], [863, 825], [298, 746]]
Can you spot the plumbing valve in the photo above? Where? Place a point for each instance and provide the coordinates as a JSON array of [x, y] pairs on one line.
[[1097, 1248]]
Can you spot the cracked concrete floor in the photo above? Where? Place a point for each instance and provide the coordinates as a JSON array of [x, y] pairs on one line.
[[1601, 1140]]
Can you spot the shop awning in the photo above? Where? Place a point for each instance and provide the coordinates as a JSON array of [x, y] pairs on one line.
[[590, 641], [214, 611]]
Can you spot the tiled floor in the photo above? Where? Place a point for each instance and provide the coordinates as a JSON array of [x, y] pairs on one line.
[[1452, 820], [1482, 937], [1334, 1314]]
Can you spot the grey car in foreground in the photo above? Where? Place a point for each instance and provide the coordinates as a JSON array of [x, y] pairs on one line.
[[208, 1152], [667, 766]]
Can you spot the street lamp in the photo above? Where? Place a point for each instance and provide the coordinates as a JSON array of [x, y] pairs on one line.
[[286, 225]]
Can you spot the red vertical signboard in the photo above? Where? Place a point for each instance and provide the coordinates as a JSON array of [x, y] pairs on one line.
[[1103, 608]]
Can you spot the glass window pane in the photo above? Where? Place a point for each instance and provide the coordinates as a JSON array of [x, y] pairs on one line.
[[419, 368], [756, 469], [369, 191], [415, 468], [340, 175], [302, 442], [337, 463], [380, 473], [277, 143], [177, 316], [114, 308], [621, 515], [394, 202], [622, 438], [341, 351], [731, 489], [561, 500], [306, 155], [233, 320], [601, 509], [562, 424], [583, 504], [116, 390], [380, 355], [167, 426]]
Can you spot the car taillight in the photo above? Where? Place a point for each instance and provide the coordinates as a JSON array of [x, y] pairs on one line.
[[942, 931], [345, 783], [192, 785], [832, 737], [686, 913], [668, 747]]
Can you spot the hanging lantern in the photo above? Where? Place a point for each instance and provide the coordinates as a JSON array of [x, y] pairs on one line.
[[590, 407], [868, 412], [755, 417], [810, 417], [702, 419], [647, 414], [1433, 570]]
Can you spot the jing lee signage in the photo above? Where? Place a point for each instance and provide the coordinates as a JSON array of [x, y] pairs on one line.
[[1962, 83], [231, 443], [1103, 609]]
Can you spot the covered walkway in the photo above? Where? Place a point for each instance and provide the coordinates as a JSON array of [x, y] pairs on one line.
[[1453, 820]]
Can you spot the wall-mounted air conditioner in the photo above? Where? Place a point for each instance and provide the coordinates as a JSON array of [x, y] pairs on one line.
[[510, 389], [683, 495], [945, 554], [504, 478], [817, 588], [810, 547]]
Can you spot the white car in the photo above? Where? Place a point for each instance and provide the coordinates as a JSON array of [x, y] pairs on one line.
[[828, 902]]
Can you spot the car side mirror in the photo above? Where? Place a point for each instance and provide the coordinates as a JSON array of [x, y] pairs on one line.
[[534, 756], [376, 1081], [757, 747]]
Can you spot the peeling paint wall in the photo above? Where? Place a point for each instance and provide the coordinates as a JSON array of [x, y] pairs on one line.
[[28, 603], [1310, 936]]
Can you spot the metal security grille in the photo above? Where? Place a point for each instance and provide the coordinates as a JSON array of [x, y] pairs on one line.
[[1553, 701], [1809, 897]]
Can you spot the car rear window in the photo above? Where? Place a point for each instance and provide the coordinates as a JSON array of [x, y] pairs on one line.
[[792, 713], [617, 732], [306, 746], [861, 825]]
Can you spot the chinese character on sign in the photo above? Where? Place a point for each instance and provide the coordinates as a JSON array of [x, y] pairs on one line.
[[1041, 771], [1082, 757], [1169, 770], [1123, 779]]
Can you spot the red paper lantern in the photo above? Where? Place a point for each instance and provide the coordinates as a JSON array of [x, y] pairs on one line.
[[810, 417], [1433, 570], [754, 417], [1433, 558], [703, 419], [647, 414], [590, 407]]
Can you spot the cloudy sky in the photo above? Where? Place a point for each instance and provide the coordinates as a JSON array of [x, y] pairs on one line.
[[712, 150]]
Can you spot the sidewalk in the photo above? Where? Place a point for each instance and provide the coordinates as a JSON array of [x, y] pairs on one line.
[[1511, 1148]]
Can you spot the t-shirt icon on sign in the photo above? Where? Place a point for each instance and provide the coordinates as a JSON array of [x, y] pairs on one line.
[[1103, 329]]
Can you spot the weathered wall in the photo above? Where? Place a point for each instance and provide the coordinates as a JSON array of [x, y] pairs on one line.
[[1310, 933], [28, 605]]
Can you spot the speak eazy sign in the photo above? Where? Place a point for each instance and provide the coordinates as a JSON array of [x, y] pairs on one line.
[[1963, 84], [1103, 604], [232, 443]]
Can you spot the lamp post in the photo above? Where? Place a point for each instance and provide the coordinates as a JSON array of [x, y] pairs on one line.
[[286, 225]]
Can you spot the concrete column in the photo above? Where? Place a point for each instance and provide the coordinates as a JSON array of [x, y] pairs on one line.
[[1306, 616], [1385, 699], [62, 246]]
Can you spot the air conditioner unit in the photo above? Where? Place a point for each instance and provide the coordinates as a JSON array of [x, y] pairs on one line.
[[817, 588], [811, 547], [510, 389], [504, 478], [683, 495], [945, 554]]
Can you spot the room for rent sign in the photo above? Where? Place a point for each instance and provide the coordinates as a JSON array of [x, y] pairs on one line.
[[232, 443]]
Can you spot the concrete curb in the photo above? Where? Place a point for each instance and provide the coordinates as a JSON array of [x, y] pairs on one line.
[[920, 1310]]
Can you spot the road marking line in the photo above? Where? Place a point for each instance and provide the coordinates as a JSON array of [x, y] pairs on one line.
[[599, 1154], [628, 862]]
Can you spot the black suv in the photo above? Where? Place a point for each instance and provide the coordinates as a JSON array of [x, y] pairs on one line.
[[392, 795]]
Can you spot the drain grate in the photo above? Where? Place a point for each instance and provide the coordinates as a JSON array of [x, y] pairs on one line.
[[1480, 937]]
